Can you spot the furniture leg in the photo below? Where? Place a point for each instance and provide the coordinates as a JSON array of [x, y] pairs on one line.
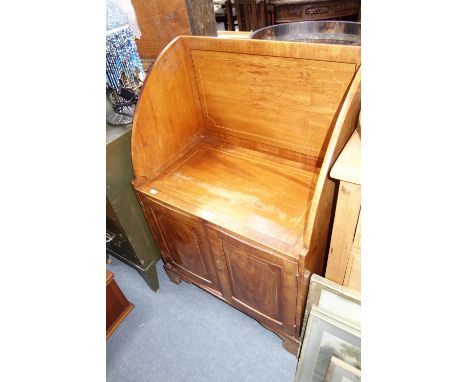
[[229, 16], [252, 11], [240, 14], [263, 16], [290, 345], [270, 10], [173, 276], [151, 277]]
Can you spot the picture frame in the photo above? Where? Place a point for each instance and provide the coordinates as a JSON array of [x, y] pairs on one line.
[[326, 337], [341, 303], [340, 371]]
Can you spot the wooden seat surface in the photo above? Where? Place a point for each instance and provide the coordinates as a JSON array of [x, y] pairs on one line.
[[250, 193]]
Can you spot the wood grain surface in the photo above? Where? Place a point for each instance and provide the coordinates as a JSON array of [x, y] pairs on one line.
[[117, 305], [241, 192], [271, 96], [160, 21], [344, 258], [287, 11], [320, 210], [167, 117], [352, 277], [348, 207], [348, 165]]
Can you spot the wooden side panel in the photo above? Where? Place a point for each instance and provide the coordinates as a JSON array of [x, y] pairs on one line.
[[160, 21], [117, 305], [167, 118], [254, 281], [284, 102], [347, 210], [353, 269], [317, 229]]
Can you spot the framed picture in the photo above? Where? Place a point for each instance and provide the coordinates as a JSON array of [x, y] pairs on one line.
[[326, 337], [340, 371], [335, 300]]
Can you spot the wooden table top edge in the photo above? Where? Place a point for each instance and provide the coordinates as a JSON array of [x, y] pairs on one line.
[[348, 165]]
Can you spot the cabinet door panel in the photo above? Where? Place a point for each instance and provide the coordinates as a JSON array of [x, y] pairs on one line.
[[255, 281], [183, 242], [184, 246]]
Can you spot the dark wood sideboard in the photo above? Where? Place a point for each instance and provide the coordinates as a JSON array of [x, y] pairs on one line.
[[287, 11], [255, 14]]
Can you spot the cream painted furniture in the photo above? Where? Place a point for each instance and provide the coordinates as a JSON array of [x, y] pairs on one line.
[[344, 258]]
